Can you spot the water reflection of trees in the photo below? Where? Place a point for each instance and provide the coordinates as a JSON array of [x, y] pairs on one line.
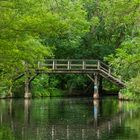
[[64, 118]]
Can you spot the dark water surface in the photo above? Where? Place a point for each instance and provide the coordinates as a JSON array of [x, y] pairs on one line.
[[69, 119]]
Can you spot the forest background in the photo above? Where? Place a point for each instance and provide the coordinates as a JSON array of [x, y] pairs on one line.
[[31, 30]]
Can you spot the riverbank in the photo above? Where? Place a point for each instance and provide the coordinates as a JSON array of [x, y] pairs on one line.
[[54, 92], [61, 93]]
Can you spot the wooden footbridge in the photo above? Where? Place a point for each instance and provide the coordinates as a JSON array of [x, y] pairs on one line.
[[93, 68]]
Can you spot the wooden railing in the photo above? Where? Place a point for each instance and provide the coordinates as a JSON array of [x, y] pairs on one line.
[[74, 64], [104, 67]]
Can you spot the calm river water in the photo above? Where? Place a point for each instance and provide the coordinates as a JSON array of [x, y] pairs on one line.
[[69, 119]]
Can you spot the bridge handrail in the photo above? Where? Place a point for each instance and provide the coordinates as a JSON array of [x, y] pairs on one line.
[[69, 63], [72, 59], [105, 67]]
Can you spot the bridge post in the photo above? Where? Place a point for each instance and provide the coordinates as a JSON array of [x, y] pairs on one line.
[[69, 65], [27, 93], [84, 64], [53, 65], [96, 86], [100, 85]]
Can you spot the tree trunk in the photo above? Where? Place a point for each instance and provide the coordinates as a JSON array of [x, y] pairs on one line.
[[10, 94], [27, 93]]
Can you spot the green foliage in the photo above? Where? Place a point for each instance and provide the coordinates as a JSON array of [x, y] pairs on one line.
[[6, 133], [73, 17], [44, 86], [33, 30], [126, 63], [37, 27], [134, 84], [126, 60], [133, 89], [110, 24]]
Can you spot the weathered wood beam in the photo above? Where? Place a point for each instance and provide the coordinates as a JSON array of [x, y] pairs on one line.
[[33, 77], [90, 78], [19, 76]]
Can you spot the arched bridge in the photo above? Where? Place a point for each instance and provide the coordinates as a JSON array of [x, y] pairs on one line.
[[93, 69]]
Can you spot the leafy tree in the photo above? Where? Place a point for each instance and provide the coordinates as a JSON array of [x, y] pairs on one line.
[[36, 29], [126, 63], [27, 29], [110, 24]]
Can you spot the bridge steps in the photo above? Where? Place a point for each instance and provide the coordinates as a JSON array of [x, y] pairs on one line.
[[112, 78]]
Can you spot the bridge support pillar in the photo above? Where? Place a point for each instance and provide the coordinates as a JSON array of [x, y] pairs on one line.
[[96, 87], [100, 85], [27, 93]]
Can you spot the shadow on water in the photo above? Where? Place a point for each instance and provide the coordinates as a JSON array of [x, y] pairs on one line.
[[69, 119]]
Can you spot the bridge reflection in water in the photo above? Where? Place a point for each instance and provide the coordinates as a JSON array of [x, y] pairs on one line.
[[61, 118]]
